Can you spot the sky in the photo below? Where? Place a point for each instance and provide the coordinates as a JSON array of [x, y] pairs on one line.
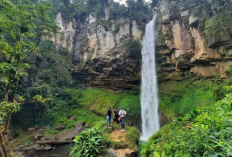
[[124, 1]]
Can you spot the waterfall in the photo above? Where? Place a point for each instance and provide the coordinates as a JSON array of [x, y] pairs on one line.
[[149, 87]]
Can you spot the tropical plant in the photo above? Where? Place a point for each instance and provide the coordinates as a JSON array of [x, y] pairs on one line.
[[89, 143], [203, 132], [22, 26]]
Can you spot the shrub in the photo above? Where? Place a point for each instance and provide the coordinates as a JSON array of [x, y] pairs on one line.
[[88, 143], [203, 132], [132, 136]]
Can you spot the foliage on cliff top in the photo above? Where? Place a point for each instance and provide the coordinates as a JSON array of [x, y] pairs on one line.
[[203, 132], [80, 9]]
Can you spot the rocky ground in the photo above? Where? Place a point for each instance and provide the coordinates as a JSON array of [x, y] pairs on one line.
[[38, 143], [37, 140], [118, 136]]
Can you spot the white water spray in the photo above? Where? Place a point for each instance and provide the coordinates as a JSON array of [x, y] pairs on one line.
[[149, 88]]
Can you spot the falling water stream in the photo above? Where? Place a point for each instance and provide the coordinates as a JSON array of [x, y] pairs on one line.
[[149, 86]]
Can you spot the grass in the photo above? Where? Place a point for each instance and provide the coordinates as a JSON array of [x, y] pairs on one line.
[[178, 98], [89, 106], [99, 101]]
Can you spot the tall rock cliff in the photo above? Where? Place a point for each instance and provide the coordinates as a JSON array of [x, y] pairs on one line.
[[194, 37], [98, 48]]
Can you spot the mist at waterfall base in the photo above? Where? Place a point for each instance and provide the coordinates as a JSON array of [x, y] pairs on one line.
[[149, 86]]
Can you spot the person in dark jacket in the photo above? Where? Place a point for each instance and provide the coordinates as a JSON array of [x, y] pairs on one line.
[[108, 116], [116, 116]]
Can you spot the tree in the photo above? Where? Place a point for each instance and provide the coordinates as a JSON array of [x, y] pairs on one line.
[[22, 26]]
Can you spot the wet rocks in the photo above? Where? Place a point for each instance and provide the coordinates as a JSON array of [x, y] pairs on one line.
[[121, 153], [46, 143], [72, 133], [61, 127]]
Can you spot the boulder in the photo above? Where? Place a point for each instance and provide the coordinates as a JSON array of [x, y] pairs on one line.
[[37, 136], [120, 153], [72, 133], [43, 138], [53, 142], [28, 148], [47, 148], [61, 127], [31, 129], [40, 147], [36, 146], [47, 138], [73, 118]]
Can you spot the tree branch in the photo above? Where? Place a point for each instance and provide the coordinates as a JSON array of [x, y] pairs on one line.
[[37, 44]]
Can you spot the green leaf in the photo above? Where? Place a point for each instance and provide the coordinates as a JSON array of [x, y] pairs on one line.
[[156, 154], [163, 154]]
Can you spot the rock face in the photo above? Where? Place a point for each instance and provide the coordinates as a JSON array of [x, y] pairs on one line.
[[96, 48], [185, 42]]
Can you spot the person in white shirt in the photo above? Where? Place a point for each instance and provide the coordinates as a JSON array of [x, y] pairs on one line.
[[122, 114]]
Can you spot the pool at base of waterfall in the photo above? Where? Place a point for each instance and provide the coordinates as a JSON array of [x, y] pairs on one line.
[[58, 151]]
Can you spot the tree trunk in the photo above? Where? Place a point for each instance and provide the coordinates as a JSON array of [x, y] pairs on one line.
[[1, 152], [4, 130], [4, 150]]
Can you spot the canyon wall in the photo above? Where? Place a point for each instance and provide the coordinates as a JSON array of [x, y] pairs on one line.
[[192, 39], [187, 44], [98, 50]]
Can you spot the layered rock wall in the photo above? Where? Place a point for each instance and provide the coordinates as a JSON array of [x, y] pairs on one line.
[[183, 43], [96, 46], [97, 50]]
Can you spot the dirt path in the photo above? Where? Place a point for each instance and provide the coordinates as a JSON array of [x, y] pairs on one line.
[[119, 136]]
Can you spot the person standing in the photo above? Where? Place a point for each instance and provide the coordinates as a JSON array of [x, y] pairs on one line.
[[116, 116], [108, 116], [122, 114]]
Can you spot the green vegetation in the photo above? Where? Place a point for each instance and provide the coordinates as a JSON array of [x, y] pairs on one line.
[[178, 98], [99, 100], [89, 143], [80, 9], [133, 136], [22, 26], [88, 105], [205, 131], [133, 48], [95, 141], [217, 25]]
